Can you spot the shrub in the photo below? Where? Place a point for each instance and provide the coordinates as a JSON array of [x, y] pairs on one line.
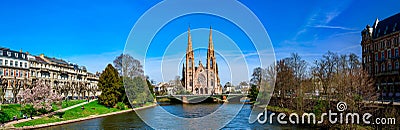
[[4, 117], [121, 106]]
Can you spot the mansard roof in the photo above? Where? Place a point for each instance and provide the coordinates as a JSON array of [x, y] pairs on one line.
[[387, 26]]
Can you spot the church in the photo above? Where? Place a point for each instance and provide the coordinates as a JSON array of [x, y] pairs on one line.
[[200, 79]]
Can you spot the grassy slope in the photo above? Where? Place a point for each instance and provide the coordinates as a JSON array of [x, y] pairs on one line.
[[74, 113]]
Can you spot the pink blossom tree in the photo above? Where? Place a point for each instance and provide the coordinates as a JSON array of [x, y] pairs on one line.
[[40, 95]]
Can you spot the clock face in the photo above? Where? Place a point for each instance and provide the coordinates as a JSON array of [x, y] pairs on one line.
[[202, 79]]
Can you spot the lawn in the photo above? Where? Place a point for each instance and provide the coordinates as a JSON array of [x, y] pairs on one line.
[[66, 104], [92, 108], [15, 109]]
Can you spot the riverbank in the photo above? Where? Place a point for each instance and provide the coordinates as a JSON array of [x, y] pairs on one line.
[[82, 116]]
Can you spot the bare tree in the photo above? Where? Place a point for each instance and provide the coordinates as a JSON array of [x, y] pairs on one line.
[[128, 66], [16, 87], [3, 87]]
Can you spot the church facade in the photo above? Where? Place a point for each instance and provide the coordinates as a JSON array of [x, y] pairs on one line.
[[200, 79]]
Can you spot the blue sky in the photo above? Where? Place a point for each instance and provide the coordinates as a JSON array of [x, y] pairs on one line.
[[93, 33]]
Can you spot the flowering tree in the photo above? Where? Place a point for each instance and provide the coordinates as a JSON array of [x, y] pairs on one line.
[[41, 96]]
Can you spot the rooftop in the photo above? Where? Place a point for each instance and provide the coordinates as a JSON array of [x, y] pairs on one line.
[[387, 26]]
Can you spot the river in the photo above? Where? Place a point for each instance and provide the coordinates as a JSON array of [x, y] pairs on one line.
[[131, 120]]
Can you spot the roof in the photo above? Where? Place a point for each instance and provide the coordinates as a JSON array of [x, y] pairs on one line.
[[38, 59], [387, 26], [6, 52], [57, 61]]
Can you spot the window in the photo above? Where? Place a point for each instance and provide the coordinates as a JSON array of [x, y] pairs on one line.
[[396, 52], [26, 65], [389, 66], [5, 62], [389, 54], [1, 61], [16, 63], [1, 52], [376, 56], [20, 64], [12, 73], [190, 63], [396, 65], [7, 72], [383, 67], [383, 55]]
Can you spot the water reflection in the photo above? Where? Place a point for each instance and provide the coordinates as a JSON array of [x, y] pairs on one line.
[[131, 120]]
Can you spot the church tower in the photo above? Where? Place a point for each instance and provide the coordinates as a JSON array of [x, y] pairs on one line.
[[213, 80], [189, 70]]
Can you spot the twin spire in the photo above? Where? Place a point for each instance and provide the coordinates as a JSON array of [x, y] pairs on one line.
[[210, 52], [210, 41]]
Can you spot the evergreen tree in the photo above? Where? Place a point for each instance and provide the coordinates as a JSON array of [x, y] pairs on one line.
[[110, 85]]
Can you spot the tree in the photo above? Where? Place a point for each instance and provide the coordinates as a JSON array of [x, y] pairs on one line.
[[3, 87], [137, 91], [41, 96], [128, 66], [255, 83], [93, 89], [109, 84], [256, 76]]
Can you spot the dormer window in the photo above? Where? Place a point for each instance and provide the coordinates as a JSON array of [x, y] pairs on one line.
[[8, 53], [16, 55], [1, 52], [384, 33]]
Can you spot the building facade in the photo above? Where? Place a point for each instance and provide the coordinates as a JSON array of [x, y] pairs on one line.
[[14, 67], [201, 80], [380, 54], [67, 79]]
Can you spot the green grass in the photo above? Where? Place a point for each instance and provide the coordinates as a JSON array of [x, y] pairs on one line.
[[66, 104], [74, 113]]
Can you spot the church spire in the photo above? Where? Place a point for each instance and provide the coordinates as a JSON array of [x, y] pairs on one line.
[[189, 48], [210, 41], [210, 52]]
